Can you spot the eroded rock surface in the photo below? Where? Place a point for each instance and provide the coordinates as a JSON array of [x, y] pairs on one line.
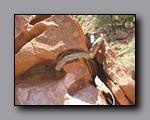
[[37, 82], [62, 33], [117, 76], [20, 21], [42, 43]]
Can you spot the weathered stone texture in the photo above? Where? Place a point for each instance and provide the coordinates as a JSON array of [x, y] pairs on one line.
[[41, 42]]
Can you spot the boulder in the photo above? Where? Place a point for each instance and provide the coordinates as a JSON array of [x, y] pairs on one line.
[[42, 43], [36, 80], [120, 35], [42, 85], [62, 33]]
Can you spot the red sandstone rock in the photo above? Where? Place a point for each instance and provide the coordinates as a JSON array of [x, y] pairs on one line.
[[38, 18], [20, 21], [38, 50], [62, 33], [42, 85], [117, 73], [37, 82]]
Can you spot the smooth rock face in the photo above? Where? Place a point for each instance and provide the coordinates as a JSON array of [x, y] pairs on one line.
[[36, 80]]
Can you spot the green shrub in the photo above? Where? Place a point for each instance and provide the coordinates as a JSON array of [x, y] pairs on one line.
[[126, 18], [112, 39], [102, 20], [132, 46], [79, 17], [112, 21]]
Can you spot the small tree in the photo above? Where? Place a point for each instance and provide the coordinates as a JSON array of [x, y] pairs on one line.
[[112, 22], [105, 22], [125, 18]]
